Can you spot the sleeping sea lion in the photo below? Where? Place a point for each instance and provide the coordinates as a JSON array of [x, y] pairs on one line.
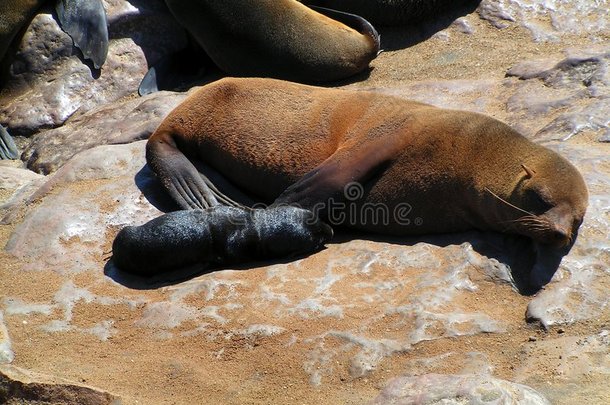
[[217, 236], [416, 169], [392, 12], [278, 38]]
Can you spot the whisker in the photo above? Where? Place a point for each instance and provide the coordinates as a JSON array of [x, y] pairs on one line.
[[507, 203]]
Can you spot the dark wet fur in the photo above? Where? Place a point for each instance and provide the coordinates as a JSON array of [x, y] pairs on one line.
[[86, 23], [217, 236]]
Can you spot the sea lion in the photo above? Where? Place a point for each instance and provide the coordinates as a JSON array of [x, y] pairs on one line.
[[422, 169], [84, 20], [278, 38], [217, 236], [392, 12], [8, 149]]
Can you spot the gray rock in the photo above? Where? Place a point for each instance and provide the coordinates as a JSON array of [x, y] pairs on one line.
[[432, 389], [113, 123], [12, 178], [72, 213], [24, 387], [48, 82], [548, 20]]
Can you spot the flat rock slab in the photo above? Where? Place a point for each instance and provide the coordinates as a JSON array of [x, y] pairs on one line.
[[430, 389], [114, 123], [23, 387]]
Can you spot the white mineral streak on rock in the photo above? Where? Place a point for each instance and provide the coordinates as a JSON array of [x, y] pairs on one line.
[[66, 227], [6, 351], [430, 389], [548, 20]]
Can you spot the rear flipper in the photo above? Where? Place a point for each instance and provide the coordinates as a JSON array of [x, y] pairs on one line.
[[86, 23], [8, 149], [353, 21], [189, 188]]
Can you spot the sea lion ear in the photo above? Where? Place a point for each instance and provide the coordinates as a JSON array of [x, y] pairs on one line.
[[530, 172]]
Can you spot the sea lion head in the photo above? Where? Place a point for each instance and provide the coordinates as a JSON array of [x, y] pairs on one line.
[[286, 231], [550, 199]]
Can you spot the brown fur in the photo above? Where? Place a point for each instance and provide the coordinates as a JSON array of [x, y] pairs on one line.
[[302, 145], [14, 14], [277, 38]]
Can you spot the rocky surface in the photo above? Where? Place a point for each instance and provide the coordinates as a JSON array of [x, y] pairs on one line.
[[23, 387], [122, 122], [49, 82], [437, 319]]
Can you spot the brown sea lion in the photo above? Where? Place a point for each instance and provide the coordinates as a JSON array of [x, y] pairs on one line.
[[217, 236], [392, 12], [277, 38], [367, 161]]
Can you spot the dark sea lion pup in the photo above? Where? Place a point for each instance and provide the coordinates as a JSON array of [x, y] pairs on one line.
[[278, 38], [416, 169], [217, 236]]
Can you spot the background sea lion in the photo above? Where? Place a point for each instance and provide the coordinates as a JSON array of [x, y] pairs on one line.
[[217, 236], [277, 38], [8, 149], [392, 12], [295, 144], [84, 20]]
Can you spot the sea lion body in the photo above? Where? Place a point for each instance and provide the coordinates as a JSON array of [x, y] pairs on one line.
[[302, 145], [391, 12], [277, 38], [218, 236]]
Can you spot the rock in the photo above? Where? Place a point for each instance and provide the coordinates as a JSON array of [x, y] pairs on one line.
[[577, 85], [75, 216], [548, 20], [113, 123], [12, 178], [48, 81], [6, 352], [457, 389], [19, 386]]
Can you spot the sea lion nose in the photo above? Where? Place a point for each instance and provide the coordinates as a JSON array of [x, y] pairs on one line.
[[559, 237], [562, 222]]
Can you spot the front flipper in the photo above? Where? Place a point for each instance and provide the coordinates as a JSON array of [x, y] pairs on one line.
[[189, 188], [356, 160], [8, 149], [85, 21]]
